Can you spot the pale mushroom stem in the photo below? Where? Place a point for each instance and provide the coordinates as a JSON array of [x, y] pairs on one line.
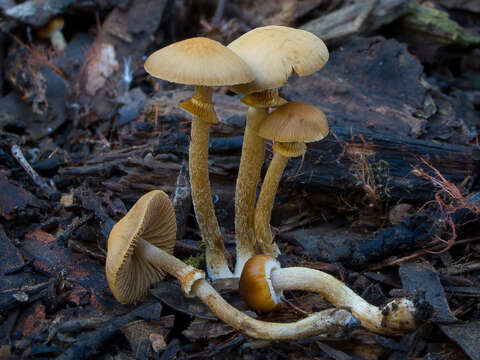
[[193, 283], [160, 259], [251, 162], [58, 41], [217, 265], [263, 209], [323, 322], [397, 317]]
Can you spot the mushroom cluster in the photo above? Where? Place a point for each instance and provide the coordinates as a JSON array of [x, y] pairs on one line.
[[140, 245]]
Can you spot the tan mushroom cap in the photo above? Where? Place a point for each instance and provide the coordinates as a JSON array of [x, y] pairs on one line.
[[276, 52], [152, 218], [53, 25], [295, 122], [198, 61]]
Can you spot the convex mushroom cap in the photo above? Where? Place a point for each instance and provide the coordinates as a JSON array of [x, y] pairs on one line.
[[255, 285], [274, 53], [198, 61], [152, 219], [201, 62], [294, 122]]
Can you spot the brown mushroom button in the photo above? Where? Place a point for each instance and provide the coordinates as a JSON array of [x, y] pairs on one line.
[[255, 285]]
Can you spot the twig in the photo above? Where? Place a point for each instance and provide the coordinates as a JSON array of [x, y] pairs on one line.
[[295, 307], [50, 191], [217, 18], [76, 223], [422, 252]]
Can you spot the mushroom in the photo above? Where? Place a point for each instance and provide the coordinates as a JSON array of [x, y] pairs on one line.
[[255, 285], [262, 272], [204, 63], [290, 127], [53, 31], [273, 53], [136, 259]]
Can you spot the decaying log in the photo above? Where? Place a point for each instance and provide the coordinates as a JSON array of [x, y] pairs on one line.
[[376, 84], [412, 232], [346, 161], [356, 19], [433, 35]]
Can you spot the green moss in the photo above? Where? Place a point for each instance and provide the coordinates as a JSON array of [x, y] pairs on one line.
[[444, 27], [198, 261]]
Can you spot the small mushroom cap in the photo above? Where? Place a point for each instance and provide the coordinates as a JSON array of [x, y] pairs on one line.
[[276, 52], [198, 61], [152, 218], [295, 122], [255, 285], [49, 28]]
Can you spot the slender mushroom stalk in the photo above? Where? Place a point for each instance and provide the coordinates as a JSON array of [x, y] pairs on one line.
[[53, 31], [265, 202], [396, 317], [204, 63], [135, 260], [264, 274], [251, 162], [290, 126], [273, 53], [201, 105]]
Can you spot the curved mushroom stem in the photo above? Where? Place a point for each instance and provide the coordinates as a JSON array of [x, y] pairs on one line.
[[193, 283], [323, 322], [265, 201], [395, 318], [251, 162], [217, 266]]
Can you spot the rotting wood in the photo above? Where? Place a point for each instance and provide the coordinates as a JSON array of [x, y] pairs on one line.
[[344, 22], [334, 162], [415, 231]]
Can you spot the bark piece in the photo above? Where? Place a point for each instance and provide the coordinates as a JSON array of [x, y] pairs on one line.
[[106, 64], [91, 343], [38, 12], [422, 278], [13, 199]]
